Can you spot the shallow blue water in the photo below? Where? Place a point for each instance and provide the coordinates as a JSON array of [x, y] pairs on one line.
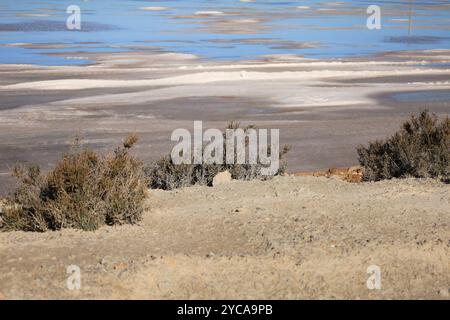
[[422, 96], [244, 30]]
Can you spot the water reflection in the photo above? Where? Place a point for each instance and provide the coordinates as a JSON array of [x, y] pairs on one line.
[[221, 29]]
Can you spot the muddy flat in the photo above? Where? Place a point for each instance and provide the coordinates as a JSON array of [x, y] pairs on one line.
[[290, 238]]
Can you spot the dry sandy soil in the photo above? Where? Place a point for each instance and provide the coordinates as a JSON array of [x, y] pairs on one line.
[[292, 237]]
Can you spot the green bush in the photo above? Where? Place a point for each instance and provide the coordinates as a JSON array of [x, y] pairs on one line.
[[84, 191], [164, 174], [420, 149]]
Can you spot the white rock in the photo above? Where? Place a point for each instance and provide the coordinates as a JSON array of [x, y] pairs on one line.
[[444, 292], [221, 178]]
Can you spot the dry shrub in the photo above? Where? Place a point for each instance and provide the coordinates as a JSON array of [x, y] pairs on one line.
[[420, 149], [84, 191], [164, 174]]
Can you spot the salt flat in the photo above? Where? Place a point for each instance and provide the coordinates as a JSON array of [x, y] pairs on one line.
[[323, 108]]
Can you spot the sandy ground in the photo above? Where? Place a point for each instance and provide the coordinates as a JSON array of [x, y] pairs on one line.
[[290, 238], [324, 109]]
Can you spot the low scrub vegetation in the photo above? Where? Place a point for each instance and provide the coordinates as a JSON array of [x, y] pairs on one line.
[[421, 148], [166, 175], [84, 191]]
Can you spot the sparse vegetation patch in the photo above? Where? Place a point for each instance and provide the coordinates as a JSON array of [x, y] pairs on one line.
[[84, 191], [165, 174], [421, 149]]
